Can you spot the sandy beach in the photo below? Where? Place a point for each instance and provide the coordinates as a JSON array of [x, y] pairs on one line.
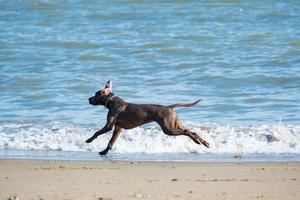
[[44, 179]]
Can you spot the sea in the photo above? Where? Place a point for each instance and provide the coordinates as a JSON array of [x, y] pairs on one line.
[[242, 58]]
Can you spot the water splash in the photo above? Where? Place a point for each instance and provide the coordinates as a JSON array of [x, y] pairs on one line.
[[264, 138]]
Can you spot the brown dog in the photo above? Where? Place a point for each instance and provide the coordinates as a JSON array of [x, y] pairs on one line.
[[127, 115]]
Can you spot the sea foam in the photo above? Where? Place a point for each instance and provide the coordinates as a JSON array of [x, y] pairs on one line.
[[54, 136]]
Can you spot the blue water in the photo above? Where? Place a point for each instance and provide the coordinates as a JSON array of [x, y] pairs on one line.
[[241, 57]]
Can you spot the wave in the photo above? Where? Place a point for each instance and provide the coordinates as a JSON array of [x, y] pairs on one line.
[[56, 136]]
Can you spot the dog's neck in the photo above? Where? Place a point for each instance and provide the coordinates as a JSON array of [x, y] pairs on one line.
[[110, 98]]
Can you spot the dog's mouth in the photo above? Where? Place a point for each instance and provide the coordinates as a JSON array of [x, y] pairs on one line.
[[92, 100]]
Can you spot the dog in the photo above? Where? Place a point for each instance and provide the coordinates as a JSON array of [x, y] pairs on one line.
[[123, 115]]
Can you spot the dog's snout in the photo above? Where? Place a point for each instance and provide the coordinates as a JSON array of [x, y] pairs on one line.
[[91, 100]]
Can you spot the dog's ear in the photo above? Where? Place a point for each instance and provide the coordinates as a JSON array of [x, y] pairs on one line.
[[107, 88]]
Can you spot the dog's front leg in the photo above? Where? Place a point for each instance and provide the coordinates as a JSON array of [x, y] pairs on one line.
[[114, 137], [100, 132], [111, 120]]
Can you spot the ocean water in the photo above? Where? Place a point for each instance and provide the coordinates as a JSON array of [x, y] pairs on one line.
[[242, 58]]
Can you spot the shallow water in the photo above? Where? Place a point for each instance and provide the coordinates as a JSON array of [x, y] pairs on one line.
[[241, 57], [165, 157]]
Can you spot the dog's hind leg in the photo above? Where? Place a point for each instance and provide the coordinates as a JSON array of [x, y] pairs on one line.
[[196, 138], [114, 137], [171, 126], [183, 131], [176, 132]]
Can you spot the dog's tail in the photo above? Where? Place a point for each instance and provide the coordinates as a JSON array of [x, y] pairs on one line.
[[184, 104]]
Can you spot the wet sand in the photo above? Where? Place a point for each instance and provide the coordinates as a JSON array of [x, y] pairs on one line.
[[103, 180]]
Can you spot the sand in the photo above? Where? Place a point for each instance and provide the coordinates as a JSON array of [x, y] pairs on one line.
[[104, 180]]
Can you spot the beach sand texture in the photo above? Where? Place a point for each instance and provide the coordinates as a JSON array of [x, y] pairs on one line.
[[43, 179]]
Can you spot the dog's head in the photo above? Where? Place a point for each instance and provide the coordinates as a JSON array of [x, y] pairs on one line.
[[102, 96]]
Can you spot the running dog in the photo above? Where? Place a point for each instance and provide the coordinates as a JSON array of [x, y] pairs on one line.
[[122, 114]]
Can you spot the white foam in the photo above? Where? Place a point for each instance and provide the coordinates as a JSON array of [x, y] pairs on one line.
[[276, 138]]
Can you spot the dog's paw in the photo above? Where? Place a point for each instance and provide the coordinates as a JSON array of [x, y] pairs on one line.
[[206, 144], [103, 153], [89, 140]]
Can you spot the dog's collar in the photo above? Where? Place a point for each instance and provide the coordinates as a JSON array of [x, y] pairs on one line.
[[108, 99]]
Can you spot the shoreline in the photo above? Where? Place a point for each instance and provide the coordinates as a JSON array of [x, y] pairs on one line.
[[108, 160], [62, 179], [152, 157]]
